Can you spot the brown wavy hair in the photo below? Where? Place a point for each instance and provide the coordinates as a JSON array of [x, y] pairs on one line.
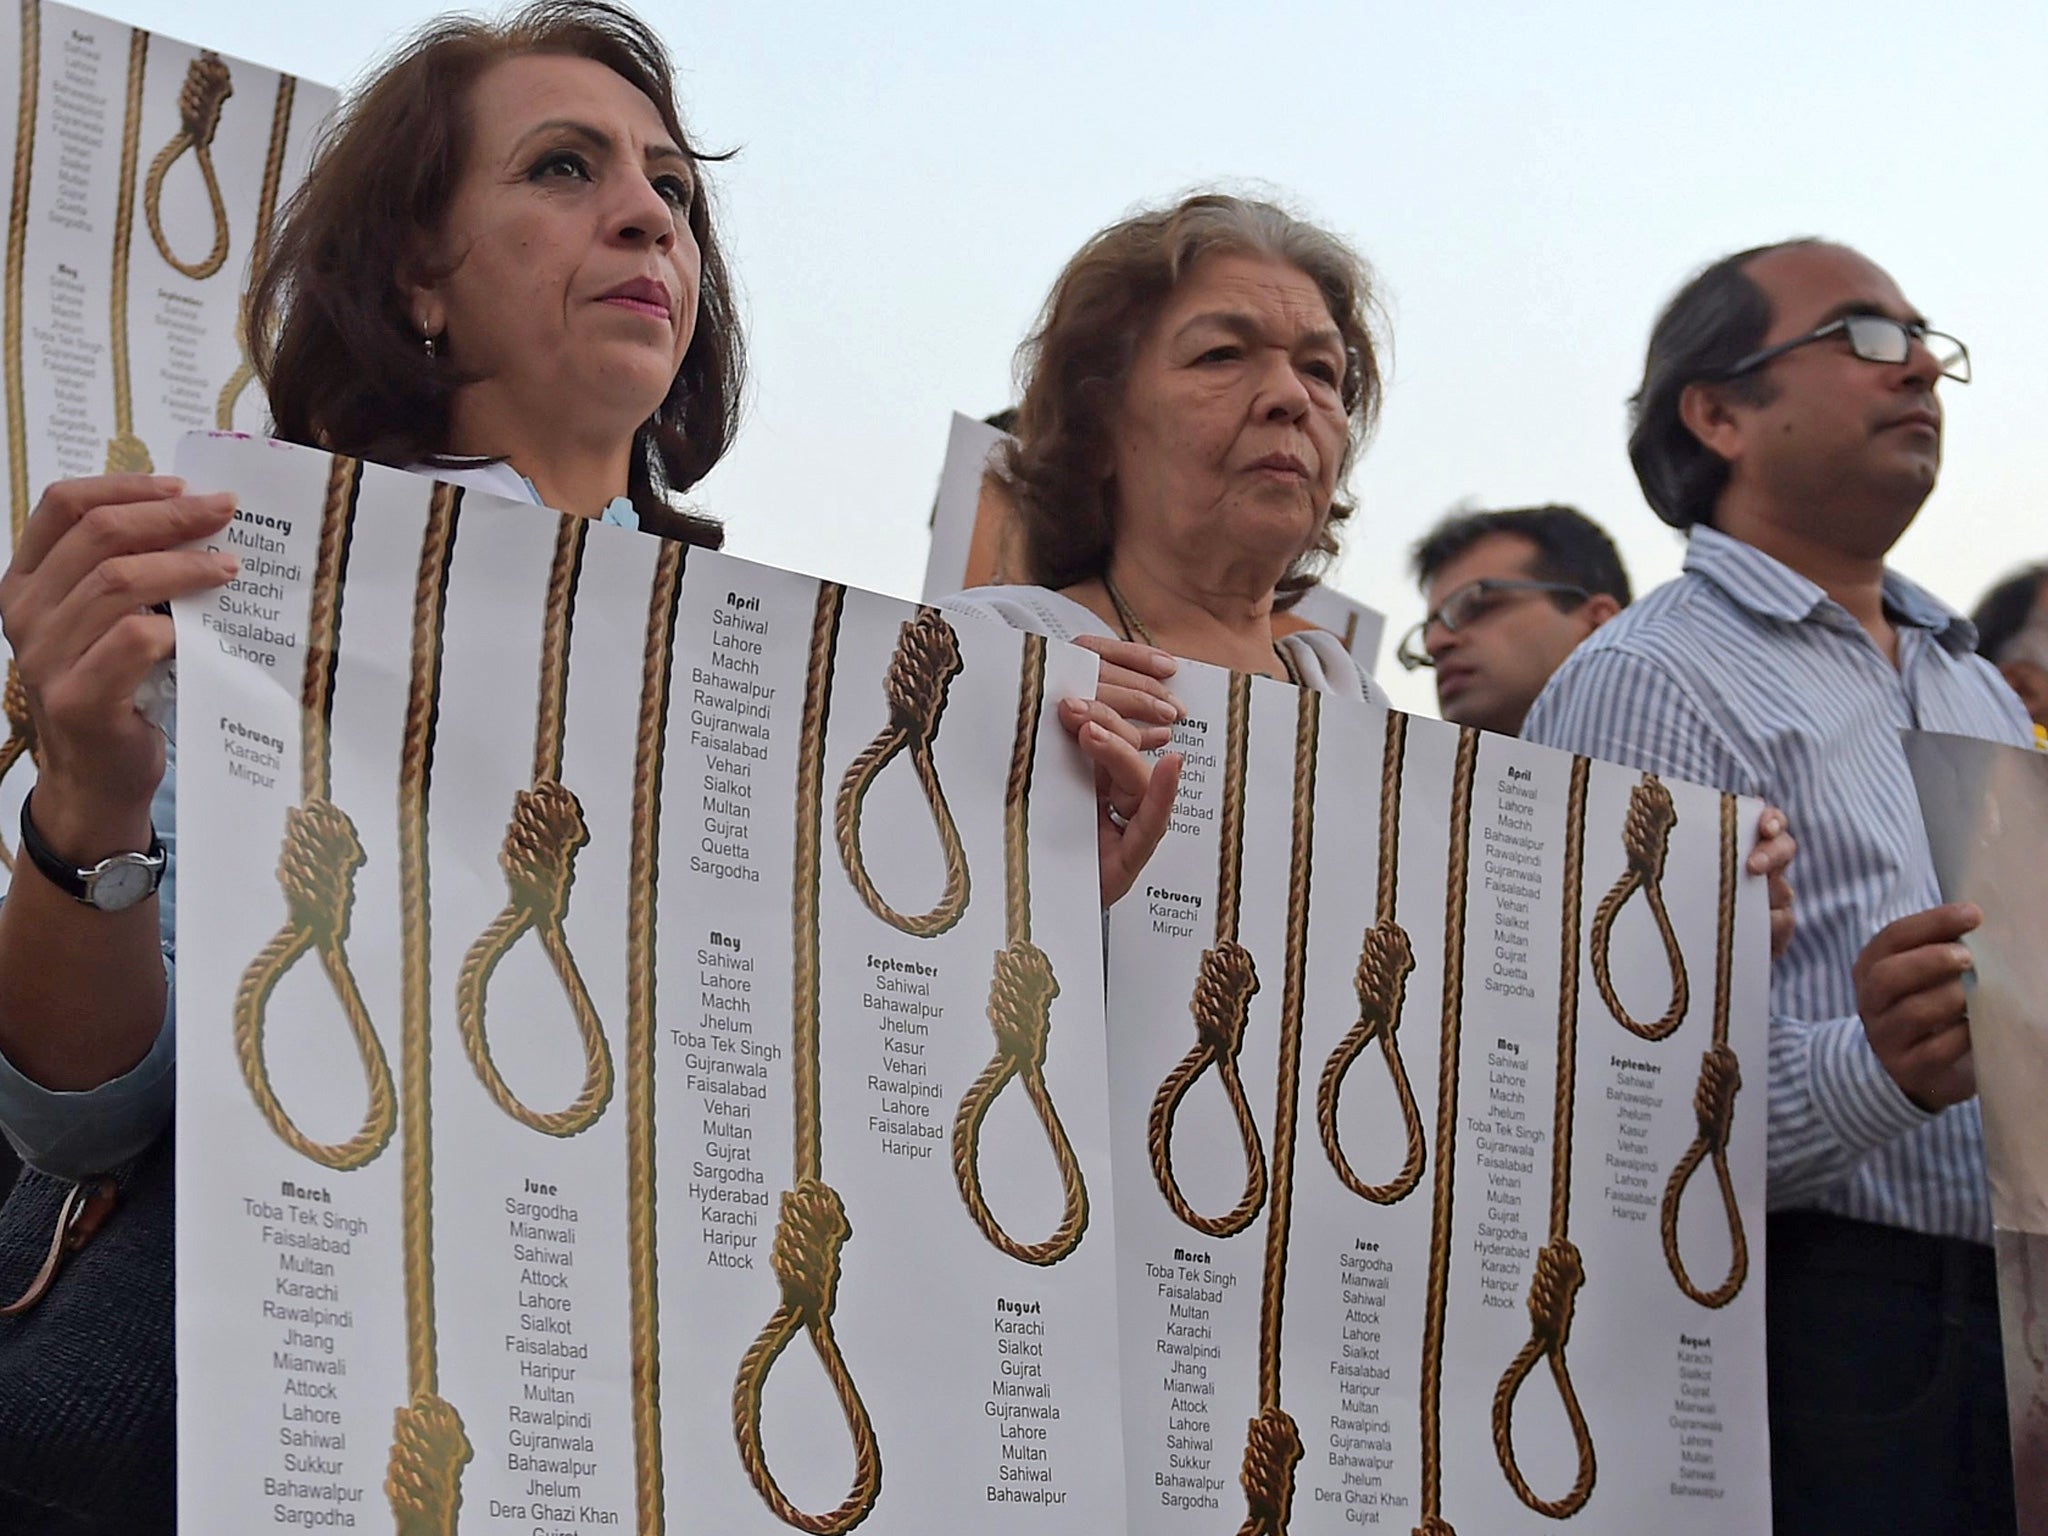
[[1072, 369], [332, 338]]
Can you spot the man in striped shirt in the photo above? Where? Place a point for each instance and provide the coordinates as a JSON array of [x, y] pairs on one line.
[[1789, 421]]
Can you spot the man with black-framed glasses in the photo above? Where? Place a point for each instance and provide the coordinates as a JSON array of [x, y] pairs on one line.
[[1789, 421], [1510, 594]]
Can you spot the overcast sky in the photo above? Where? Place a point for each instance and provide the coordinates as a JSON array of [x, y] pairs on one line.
[[1530, 182]]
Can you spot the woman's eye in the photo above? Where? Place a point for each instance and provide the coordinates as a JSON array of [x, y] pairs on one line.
[[1219, 355], [676, 192], [1327, 373], [563, 163]]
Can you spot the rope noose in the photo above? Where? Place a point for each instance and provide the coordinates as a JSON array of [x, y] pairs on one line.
[[1020, 1008], [316, 870], [127, 454], [927, 660], [1559, 1271], [21, 740], [1272, 1448], [207, 87], [539, 860], [813, 1225], [1384, 961], [643, 879], [429, 1447], [1646, 838], [266, 215], [1457, 886], [1221, 1005], [1714, 1103]]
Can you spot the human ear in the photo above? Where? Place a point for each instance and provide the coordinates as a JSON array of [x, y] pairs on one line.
[[1705, 411], [1598, 609]]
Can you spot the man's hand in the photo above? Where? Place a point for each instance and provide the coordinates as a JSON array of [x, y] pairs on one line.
[[1909, 989]]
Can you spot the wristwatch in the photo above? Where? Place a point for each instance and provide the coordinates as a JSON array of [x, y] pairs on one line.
[[113, 885]]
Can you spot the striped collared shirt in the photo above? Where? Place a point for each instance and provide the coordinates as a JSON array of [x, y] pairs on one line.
[[1744, 675]]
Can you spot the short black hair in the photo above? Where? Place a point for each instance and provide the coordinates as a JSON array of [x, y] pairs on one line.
[[1570, 547], [1713, 322], [2005, 609]]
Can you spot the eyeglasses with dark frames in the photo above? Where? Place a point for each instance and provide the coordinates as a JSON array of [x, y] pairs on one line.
[[1875, 339], [1472, 602]]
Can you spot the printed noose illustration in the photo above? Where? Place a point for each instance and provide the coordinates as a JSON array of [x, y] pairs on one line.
[[126, 453], [429, 1447], [1020, 1007], [1714, 1102], [207, 87], [539, 860], [317, 868], [1384, 961], [644, 880], [1456, 889], [1554, 1287], [927, 660], [1272, 1448], [1221, 1005], [21, 737], [813, 1225], [1646, 838], [266, 215]]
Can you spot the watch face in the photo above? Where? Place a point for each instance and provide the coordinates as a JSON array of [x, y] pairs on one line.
[[121, 882]]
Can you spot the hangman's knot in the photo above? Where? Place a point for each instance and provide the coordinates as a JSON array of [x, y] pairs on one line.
[[207, 87], [1383, 965], [805, 1257], [15, 702], [317, 866], [927, 660], [546, 830], [1020, 1003], [1714, 1100], [1223, 997], [1272, 1450], [1646, 834], [1553, 1289], [428, 1451]]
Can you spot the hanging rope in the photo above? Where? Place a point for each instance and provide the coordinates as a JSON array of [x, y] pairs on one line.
[[1222, 1002], [266, 215], [21, 737], [1646, 838], [1559, 1269], [317, 869], [1020, 1007], [208, 85], [643, 880], [1272, 1448], [126, 453], [927, 660], [813, 1225], [1713, 1103], [1456, 885], [429, 1447], [1384, 961], [539, 860]]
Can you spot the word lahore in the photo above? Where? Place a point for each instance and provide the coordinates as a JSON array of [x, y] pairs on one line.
[[1513, 860], [726, 698], [1019, 1403], [247, 617]]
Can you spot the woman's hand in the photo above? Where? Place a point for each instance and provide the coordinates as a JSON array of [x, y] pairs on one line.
[[1131, 692], [1772, 856], [1133, 799], [94, 558]]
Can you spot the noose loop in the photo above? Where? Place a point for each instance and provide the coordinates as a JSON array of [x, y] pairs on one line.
[[316, 870], [207, 87], [1381, 983], [1553, 1292], [1224, 987], [1272, 1450], [539, 860], [1020, 1013], [927, 660], [805, 1260], [429, 1449], [21, 735], [1645, 838], [1713, 1105]]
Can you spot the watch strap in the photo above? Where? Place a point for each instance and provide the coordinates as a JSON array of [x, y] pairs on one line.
[[68, 877]]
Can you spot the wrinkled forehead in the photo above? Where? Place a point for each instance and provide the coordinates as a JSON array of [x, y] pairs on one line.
[[1810, 285], [516, 95]]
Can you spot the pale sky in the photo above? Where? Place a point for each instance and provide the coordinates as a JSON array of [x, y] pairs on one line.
[[1530, 182]]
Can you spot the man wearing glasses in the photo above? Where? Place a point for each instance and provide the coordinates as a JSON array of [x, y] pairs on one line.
[[1510, 595], [1789, 421]]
